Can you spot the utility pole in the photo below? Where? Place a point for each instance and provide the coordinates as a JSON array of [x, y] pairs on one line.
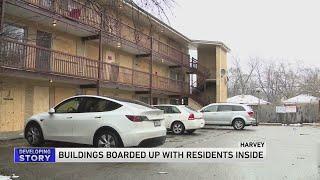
[[151, 70], [258, 111], [2, 2], [100, 54]]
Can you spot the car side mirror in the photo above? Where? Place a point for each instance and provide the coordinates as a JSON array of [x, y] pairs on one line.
[[51, 111]]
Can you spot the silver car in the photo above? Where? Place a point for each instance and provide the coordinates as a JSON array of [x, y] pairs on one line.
[[227, 114]]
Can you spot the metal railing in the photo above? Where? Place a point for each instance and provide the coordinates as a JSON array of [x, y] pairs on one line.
[[84, 13], [28, 57], [201, 70]]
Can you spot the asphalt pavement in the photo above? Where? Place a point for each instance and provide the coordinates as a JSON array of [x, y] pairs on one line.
[[292, 153]]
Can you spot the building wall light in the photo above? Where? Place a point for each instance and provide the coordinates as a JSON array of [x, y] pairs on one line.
[[54, 23]]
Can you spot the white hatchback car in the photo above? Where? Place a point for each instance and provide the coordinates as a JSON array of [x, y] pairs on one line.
[[180, 118], [227, 114], [98, 121]]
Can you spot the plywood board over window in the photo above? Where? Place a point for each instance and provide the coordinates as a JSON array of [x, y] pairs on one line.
[[62, 93], [11, 107], [40, 99]]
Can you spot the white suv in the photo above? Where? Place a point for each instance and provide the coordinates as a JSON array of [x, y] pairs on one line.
[[236, 115], [98, 121], [180, 118]]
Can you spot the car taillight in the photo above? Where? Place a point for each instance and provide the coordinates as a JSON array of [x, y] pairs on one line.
[[136, 118], [251, 113], [191, 116]]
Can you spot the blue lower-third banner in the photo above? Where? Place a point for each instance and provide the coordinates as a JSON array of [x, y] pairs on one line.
[[34, 155], [165, 155]]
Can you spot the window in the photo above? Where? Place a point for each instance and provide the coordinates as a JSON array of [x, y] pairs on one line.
[[238, 108], [14, 32], [224, 108], [144, 99], [162, 100], [161, 108], [99, 105], [210, 109], [189, 109], [68, 106], [13, 54], [174, 110], [168, 109]]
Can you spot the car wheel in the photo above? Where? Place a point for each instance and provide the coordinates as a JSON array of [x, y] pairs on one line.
[[190, 131], [106, 139], [34, 135], [177, 127], [238, 124]]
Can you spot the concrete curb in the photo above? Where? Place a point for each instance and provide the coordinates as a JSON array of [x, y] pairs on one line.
[[280, 124], [270, 124], [6, 136]]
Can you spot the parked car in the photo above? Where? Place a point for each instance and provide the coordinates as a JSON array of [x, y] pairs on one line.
[[98, 121], [181, 118], [227, 114]]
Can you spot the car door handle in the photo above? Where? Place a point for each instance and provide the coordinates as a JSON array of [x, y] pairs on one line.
[[97, 117], [70, 117]]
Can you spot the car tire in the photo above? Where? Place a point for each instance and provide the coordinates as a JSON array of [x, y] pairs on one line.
[[238, 124], [190, 131], [177, 128], [34, 135], [106, 139]]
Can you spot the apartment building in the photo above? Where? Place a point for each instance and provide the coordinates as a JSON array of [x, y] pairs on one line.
[[54, 49]]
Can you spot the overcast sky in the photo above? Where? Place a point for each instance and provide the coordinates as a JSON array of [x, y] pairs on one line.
[[269, 29]]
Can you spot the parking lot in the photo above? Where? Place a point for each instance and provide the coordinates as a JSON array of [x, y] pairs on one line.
[[292, 153]]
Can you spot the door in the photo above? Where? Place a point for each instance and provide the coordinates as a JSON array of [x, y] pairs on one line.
[[210, 114], [43, 56], [154, 101], [93, 111], [171, 114], [7, 108], [59, 125], [224, 115]]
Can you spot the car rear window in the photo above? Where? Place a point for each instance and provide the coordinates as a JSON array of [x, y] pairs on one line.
[[168, 109], [238, 108], [133, 102], [189, 109]]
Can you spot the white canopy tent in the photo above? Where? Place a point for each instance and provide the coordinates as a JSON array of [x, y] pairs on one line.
[[247, 99], [302, 99]]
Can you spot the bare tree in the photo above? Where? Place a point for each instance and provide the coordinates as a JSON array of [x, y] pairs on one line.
[[240, 81], [275, 80]]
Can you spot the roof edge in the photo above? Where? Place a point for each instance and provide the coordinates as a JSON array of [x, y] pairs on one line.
[[157, 20], [206, 42]]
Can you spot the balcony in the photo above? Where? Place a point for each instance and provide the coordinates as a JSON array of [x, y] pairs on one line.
[[115, 31], [20, 56], [196, 68]]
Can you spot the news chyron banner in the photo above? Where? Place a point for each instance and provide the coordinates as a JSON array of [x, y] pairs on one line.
[[165, 155]]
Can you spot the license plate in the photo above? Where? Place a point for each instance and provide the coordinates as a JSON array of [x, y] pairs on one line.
[[157, 123]]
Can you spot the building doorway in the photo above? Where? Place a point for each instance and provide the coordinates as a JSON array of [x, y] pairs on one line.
[[44, 39]]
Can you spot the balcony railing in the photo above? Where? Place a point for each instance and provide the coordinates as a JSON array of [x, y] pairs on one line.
[[28, 57], [85, 14], [70, 9], [163, 83], [201, 70]]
